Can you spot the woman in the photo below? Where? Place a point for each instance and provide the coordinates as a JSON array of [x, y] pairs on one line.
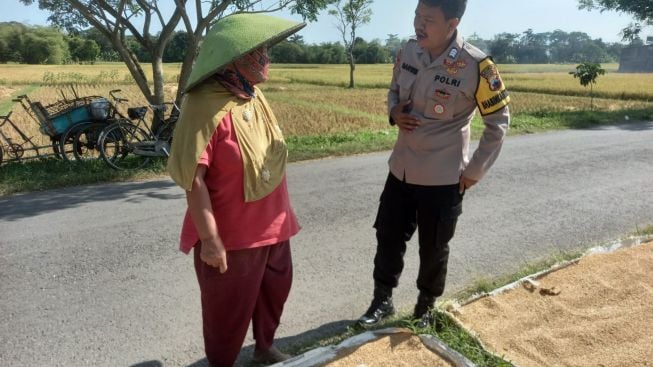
[[229, 155]]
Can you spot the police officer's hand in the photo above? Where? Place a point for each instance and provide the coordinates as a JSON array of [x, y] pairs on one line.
[[403, 120], [465, 183], [213, 253]]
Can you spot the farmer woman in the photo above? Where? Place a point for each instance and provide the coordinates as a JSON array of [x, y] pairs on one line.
[[229, 155]]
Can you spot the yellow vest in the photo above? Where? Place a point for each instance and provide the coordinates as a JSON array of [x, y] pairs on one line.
[[262, 147]]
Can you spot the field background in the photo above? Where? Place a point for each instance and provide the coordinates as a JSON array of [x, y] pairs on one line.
[[312, 103]]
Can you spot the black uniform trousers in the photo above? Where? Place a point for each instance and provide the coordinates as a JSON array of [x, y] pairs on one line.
[[404, 207]]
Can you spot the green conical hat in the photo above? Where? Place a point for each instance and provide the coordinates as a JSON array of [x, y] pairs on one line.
[[234, 36]]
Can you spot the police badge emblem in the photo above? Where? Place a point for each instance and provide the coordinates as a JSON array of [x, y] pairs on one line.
[[491, 74], [439, 109]]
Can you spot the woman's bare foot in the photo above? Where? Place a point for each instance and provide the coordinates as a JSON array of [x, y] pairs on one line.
[[272, 355]]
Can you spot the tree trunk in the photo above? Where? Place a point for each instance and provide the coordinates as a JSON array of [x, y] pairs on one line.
[[159, 95], [352, 67]]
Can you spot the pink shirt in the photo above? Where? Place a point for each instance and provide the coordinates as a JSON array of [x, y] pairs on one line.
[[241, 225]]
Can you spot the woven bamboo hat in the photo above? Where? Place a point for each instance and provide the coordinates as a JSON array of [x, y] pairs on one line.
[[234, 36]]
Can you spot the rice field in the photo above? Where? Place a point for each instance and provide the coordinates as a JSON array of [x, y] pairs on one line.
[[310, 100], [113, 73]]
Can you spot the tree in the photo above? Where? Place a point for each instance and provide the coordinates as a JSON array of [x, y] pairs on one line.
[[326, 53], [107, 52], [177, 48], [532, 48], [371, 52], [642, 10], [82, 50], [502, 48], [119, 19], [44, 45], [393, 44], [479, 42], [351, 14], [588, 72]]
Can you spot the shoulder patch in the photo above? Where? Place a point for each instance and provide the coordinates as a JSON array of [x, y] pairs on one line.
[[491, 94]]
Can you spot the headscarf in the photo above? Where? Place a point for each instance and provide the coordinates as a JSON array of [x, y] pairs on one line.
[[244, 73]]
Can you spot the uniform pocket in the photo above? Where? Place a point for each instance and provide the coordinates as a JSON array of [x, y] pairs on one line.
[[440, 103]]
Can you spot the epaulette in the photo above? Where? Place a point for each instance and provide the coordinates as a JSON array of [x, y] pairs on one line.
[[474, 51]]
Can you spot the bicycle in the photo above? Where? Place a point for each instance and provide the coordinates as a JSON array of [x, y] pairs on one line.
[[84, 137], [126, 145]]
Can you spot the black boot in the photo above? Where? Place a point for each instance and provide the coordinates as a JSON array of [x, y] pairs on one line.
[[380, 308], [422, 313]]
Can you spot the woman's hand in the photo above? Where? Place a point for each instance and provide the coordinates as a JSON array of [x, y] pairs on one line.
[[201, 211], [214, 254]]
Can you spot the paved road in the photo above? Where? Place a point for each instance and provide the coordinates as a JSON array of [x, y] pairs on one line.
[[91, 275]]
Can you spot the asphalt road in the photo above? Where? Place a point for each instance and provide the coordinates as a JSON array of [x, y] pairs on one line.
[[91, 276]]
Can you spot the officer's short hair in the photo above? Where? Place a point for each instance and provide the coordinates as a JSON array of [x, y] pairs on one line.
[[450, 8]]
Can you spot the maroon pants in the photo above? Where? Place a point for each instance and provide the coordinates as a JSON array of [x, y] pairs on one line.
[[254, 287]]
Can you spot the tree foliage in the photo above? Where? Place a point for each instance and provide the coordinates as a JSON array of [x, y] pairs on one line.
[[151, 26], [642, 11], [34, 44], [350, 15], [549, 47], [587, 73]]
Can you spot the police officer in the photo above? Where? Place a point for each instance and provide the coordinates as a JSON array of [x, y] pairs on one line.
[[438, 82]]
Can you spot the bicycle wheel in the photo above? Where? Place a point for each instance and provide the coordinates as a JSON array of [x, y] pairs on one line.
[[118, 145], [55, 148], [67, 140], [85, 143]]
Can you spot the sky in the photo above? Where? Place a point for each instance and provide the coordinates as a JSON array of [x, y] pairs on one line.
[[486, 19]]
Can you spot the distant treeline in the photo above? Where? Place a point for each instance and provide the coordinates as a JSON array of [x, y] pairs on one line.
[[21, 43]]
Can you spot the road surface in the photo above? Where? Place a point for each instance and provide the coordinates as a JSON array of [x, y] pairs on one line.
[[91, 276]]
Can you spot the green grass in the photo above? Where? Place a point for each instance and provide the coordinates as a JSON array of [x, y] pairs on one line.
[[486, 285], [51, 173], [37, 175], [534, 122], [446, 330], [646, 231], [341, 144]]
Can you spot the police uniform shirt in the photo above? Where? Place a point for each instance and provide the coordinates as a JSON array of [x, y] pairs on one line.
[[444, 95]]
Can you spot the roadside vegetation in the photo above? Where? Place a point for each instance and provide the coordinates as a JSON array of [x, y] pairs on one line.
[[320, 117]]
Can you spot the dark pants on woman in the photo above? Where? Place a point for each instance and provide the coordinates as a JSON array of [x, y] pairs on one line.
[[404, 207], [254, 287]]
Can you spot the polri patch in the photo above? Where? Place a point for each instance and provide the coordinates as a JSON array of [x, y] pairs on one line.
[[443, 79]]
